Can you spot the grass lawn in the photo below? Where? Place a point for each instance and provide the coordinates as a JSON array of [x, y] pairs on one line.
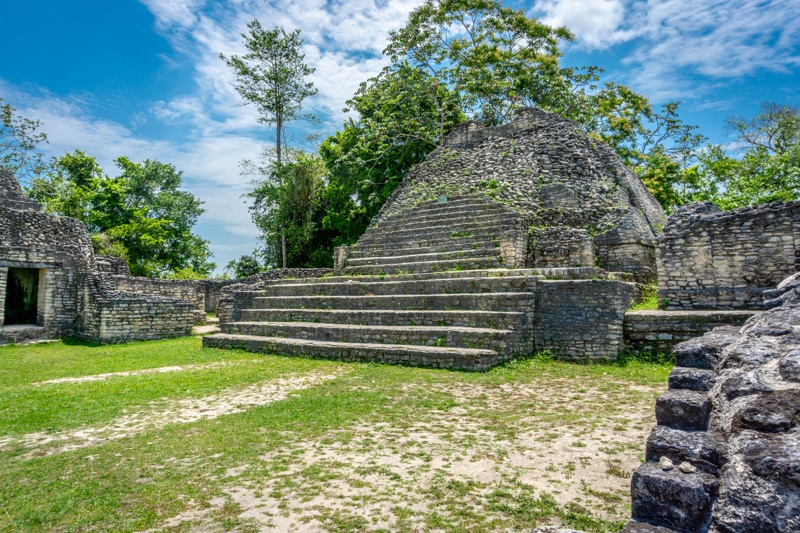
[[167, 436]]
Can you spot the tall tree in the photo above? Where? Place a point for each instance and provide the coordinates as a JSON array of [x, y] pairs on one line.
[[19, 139], [272, 76]]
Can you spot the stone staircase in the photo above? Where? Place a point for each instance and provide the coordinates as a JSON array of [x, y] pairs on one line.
[[422, 289], [434, 236]]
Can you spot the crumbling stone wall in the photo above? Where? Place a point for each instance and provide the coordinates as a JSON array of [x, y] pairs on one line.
[[190, 291], [116, 266], [710, 259], [725, 456], [579, 202], [581, 320], [661, 331]]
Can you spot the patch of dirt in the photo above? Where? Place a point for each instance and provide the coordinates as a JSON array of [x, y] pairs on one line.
[[466, 466], [163, 413]]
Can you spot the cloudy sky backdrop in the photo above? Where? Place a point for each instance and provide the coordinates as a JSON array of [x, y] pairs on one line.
[[143, 79]]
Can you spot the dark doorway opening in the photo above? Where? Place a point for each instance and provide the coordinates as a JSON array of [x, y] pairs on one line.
[[22, 296]]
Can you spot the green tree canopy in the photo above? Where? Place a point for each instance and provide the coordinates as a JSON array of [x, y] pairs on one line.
[[271, 76], [289, 198], [141, 214]]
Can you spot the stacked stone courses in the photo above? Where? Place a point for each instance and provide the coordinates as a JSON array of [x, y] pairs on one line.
[[710, 259], [725, 456], [498, 245], [419, 296]]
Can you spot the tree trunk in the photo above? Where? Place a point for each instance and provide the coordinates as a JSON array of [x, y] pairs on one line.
[[279, 125], [283, 245]]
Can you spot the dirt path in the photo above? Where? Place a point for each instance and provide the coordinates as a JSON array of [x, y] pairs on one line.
[[142, 372], [157, 415], [455, 466]]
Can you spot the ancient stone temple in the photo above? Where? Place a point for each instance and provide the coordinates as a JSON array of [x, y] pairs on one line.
[[504, 241], [51, 284]]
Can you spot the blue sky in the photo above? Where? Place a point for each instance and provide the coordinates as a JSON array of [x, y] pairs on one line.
[[143, 79]]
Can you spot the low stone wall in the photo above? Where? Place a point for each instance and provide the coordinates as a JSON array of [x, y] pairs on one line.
[[725, 455], [190, 291], [709, 259], [107, 315], [581, 320], [661, 331]]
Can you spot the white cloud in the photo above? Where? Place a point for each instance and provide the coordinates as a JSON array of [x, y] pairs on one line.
[[681, 48], [596, 23]]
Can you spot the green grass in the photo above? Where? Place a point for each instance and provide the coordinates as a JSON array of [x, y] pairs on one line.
[[649, 303], [367, 413]]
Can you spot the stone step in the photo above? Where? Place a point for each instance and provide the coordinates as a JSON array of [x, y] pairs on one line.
[[462, 219], [431, 256], [695, 379], [452, 204], [437, 217], [445, 245], [502, 341], [487, 232], [413, 286], [497, 301], [673, 499], [473, 359], [705, 450], [427, 266], [507, 320], [683, 409]]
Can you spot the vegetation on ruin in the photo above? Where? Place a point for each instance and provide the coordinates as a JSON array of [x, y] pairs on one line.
[[533, 442]]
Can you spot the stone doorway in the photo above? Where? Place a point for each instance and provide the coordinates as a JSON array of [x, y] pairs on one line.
[[21, 304]]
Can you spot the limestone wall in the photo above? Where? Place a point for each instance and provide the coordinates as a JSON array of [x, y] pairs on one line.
[[106, 315], [116, 266], [725, 454], [59, 245], [75, 298], [190, 291], [709, 259], [581, 320]]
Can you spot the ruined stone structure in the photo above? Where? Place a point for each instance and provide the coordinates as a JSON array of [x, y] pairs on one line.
[[488, 250], [725, 456], [572, 198], [52, 285], [710, 259]]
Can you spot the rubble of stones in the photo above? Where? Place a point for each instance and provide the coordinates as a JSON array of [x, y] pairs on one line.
[[725, 456]]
